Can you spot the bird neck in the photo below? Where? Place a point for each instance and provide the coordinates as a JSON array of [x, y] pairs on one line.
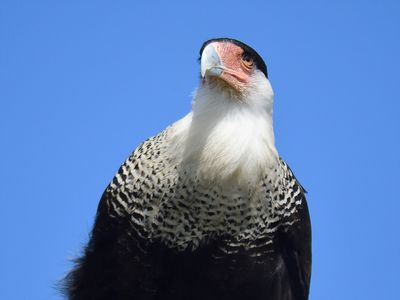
[[224, 140]]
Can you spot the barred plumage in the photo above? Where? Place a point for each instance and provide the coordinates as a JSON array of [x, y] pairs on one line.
[[183, 211]]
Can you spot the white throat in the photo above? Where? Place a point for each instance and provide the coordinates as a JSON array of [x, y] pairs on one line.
[[226, 140]]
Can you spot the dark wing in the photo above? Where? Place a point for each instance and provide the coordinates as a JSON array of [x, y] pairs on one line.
[[101, 272], [115, 248], [294, 240], [117, 243]]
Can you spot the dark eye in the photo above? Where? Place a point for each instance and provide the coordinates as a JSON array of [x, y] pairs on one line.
[[247, 60], [247, 57]]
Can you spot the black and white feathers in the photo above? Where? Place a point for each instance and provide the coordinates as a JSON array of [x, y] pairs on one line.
[[206, 209]]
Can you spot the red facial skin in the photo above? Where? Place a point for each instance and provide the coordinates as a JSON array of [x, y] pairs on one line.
[[237, 71]]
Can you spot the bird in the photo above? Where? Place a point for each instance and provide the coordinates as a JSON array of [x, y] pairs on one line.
[[206, 209]]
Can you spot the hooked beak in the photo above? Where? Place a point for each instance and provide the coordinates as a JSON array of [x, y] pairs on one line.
[[211, 64]]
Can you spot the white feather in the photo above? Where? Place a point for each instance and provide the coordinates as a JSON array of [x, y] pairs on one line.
[[226, 138]]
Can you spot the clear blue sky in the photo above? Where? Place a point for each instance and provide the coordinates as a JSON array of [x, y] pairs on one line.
[[82, 83]]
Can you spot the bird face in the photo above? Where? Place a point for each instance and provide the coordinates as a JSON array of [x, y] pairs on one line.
[[231, 64]]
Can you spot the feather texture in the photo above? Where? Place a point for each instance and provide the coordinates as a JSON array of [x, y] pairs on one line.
[[161, 233]]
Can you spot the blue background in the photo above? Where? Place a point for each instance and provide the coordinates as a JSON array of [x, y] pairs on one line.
[[82, 83]]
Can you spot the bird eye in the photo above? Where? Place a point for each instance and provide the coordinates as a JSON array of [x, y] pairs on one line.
[[247, 60], [246, 56]]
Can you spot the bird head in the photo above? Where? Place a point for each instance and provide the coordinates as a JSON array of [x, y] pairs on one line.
[[228, 136], [234, 67]]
